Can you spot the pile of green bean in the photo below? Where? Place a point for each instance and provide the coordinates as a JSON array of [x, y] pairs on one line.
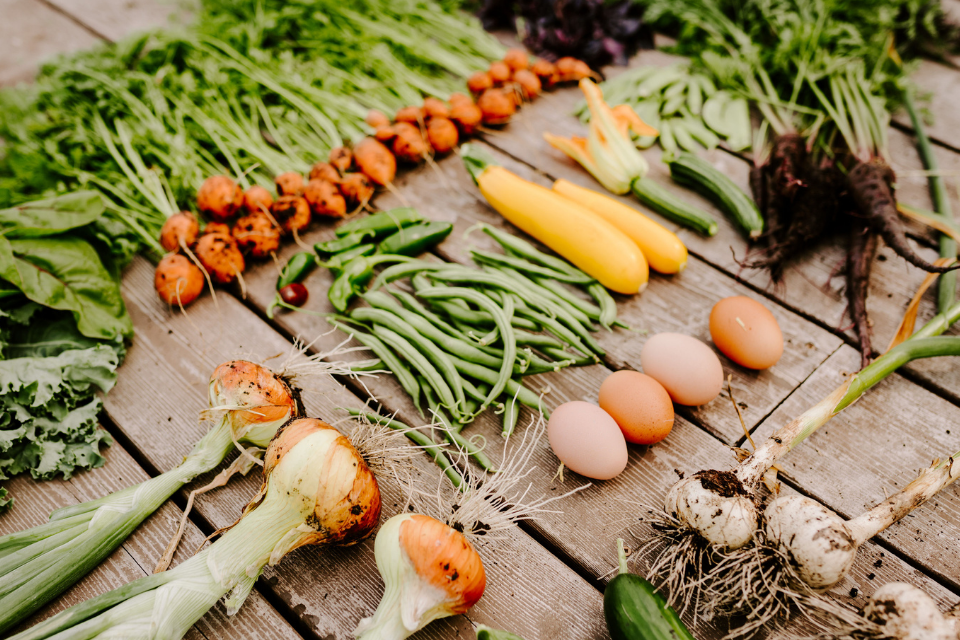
[[465, 338]]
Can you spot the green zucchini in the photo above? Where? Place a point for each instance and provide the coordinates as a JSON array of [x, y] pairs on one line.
[[701, 176], [662, 201], [635, 611]]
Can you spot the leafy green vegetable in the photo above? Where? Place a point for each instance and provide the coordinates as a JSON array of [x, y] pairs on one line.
[[50, 217], [64, 272]]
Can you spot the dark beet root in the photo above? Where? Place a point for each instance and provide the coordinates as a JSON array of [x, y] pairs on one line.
[[872, 191], [861, 251]]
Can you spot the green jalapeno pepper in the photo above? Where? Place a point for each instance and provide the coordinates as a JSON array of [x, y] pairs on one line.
[[383, 223], [416, 239], [341, 243]]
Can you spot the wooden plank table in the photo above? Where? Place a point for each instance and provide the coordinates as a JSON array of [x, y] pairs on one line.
[[546, 579]]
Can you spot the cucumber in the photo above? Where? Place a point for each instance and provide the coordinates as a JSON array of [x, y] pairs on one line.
[[662, 200], [701, 176], [635, 611], [486, 633]]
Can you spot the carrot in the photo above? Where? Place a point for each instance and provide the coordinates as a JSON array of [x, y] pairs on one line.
[[385, 134], [292, 212], [528, 82], [376, 119], [341, 158], [467, 117], [872, 191], [499, 72], [409, 145], [459, 98], [180, 229], [571, 69], [219, 197], [435, 108], [177, 280], [546, 71], [257, 235], [289, 183], [375, 161], [442, 134], [517, 60], [324, 171], [356, 188], [496, 106], [256, 199], [216, 227], [479, 82], [324, 199], [412, 115], [220, 256]]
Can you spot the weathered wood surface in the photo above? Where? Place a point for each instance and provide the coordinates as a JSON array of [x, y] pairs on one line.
[[323, 594], [328, 589], [139, 554]]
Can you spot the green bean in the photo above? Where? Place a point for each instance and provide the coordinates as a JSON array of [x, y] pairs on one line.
[[410, 303], [514, 388], [450, 344], [472, 406], [509, 418], [591, 310], [523, 249], [425, 346], [536, 339], [608, 306], [547, 294], [371, 365], [475, 318], [432, 448], [557, 329], [502, 318], [402, 270], [419, 362], [561, 355], [403, 374], [501, 260], [453, 435]]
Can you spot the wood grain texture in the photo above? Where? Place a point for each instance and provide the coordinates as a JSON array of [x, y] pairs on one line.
[[31, 33], [114, 19], [329, 589], [138, 554], [873, 449]]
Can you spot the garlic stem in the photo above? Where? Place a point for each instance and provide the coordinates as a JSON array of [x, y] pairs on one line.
[[886, 513]]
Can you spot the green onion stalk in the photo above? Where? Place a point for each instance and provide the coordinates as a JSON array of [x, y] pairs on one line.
[[249, 403], [317, 490], [721, 505], [947, 285]]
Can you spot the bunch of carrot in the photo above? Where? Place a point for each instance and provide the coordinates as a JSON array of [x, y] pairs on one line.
[[259, 221]]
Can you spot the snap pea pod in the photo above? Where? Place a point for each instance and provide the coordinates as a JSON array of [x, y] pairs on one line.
[[382, 223], [513, 388], [403, 375], [509, 417], [341, 243], [501, 317], [416, 239], [452, 434], [425, 347], [419, 362], [297, 268], [499, 259], [434, 450]]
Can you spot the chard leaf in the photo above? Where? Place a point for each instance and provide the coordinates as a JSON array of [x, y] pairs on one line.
[[52, 216], [64, 272]]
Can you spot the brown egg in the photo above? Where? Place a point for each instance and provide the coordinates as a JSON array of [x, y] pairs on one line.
[[746, 332], [687, 368], [639, 404], [587, 440]]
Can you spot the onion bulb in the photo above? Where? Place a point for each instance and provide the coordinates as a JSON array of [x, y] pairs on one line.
[[907, 613], [430, 571], [717, 506]]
